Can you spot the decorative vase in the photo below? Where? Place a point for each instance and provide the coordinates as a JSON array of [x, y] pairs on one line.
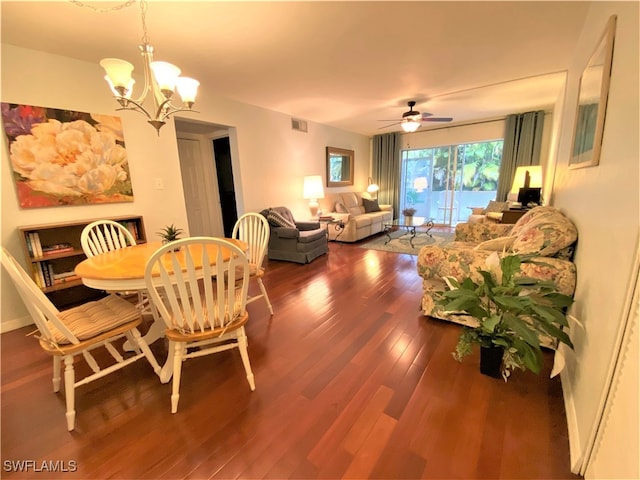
[[491, 361], [408, 219]]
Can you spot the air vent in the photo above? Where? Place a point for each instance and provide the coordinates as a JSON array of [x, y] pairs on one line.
[[299, 125]]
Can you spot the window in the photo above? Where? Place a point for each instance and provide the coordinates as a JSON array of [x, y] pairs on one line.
[[442, 183]]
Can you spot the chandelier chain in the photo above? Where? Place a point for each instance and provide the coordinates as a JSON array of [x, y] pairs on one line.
[[143, 13], [126, 4]]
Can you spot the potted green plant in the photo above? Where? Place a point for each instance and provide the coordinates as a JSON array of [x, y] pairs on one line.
[[170, 233], [515, 315]]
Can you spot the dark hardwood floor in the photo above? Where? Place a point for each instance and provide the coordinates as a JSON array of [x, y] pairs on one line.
[[351, 382]]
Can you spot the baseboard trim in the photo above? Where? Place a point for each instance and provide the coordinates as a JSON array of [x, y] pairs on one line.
[[575, 451], [15, 324]]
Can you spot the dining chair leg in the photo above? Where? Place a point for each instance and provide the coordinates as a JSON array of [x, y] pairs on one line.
[[264, 295], [244, 354], [180, 350], [137, 338], [70, 391], [56, 372]]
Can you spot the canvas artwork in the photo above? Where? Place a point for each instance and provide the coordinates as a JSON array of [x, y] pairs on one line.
[[62, 157]]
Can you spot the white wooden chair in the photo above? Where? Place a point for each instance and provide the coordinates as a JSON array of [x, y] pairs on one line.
[[201, 314], [78, 331], [104, 236], [253, 228]]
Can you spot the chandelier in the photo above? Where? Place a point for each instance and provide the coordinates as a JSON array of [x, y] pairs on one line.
[[161, 79]]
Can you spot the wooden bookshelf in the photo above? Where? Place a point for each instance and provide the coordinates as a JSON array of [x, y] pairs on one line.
[[54, 249]]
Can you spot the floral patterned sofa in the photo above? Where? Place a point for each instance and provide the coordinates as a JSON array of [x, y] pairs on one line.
[[544, 232]]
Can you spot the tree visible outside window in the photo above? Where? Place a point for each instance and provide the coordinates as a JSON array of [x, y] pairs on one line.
[[442, 182]]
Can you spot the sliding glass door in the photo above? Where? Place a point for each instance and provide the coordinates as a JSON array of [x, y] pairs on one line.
[[443, 183]]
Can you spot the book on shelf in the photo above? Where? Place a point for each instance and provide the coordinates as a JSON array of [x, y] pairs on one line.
[[57, 248], [133, 228], [43, 282], [36, 274], [58, 276], [35, 244], [27, 239], [70, 278]]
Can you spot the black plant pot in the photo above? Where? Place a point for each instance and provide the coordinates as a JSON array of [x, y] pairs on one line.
[[491, 361]]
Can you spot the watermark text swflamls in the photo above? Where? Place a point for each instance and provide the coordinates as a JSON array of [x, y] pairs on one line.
[[59, 466]]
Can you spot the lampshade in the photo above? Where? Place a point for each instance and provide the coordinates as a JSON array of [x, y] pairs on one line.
[[312, 188], [410, 125], [420, 184], [372, 187], [534, 174], [165, 74], [187, 89]]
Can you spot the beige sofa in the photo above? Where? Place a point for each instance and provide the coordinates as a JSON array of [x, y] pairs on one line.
[[356, 212]]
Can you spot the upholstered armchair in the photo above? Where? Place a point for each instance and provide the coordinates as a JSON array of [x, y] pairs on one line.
[[543, 232], [292, 241]]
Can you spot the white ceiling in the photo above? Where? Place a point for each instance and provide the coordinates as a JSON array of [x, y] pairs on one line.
[[346, 64]]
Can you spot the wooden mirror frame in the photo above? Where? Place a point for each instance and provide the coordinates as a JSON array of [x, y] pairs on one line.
[[342, 161], [592, 102]]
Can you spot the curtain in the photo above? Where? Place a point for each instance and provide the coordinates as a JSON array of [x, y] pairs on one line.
[[386, 168], [522, 139]]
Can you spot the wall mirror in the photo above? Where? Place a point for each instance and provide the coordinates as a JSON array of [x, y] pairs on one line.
[[340, 164], [592, 102]]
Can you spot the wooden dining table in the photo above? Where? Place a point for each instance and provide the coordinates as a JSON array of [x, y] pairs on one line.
[[123, 270]]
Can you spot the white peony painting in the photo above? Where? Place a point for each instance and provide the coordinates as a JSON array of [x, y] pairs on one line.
[[61, 157]]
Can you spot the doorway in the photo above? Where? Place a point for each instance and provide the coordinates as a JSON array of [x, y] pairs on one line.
[[207, 177], [226, 189]]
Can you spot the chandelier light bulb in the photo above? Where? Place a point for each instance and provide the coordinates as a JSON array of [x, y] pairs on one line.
[[118, 73], [165, 75], [187, 89]]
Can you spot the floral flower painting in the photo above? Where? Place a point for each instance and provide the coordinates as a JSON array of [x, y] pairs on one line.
[[61, 157]]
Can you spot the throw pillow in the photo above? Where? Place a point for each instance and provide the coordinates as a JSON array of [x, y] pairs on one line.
[[355, 211], [277, 220], [370, 205], [350, 200], [496, 244], [496, 206]]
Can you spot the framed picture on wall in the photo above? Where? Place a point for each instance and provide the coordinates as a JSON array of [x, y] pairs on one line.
[[63, 157], [592, 102]]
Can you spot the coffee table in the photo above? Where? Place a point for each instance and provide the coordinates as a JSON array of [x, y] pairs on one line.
[[410, 224]]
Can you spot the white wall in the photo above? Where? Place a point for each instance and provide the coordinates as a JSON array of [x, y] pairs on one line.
[[603, 202], [271, 159]]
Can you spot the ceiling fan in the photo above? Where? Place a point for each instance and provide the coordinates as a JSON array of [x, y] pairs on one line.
[[412, 119]]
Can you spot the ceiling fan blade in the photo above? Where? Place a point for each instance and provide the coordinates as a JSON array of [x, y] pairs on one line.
[[426, 115], [437, 119], [390, 125]]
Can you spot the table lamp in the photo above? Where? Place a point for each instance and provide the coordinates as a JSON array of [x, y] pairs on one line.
[[312, 191], [526, 177]]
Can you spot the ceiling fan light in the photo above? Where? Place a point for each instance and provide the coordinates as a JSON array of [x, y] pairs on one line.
[[410, 126]]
